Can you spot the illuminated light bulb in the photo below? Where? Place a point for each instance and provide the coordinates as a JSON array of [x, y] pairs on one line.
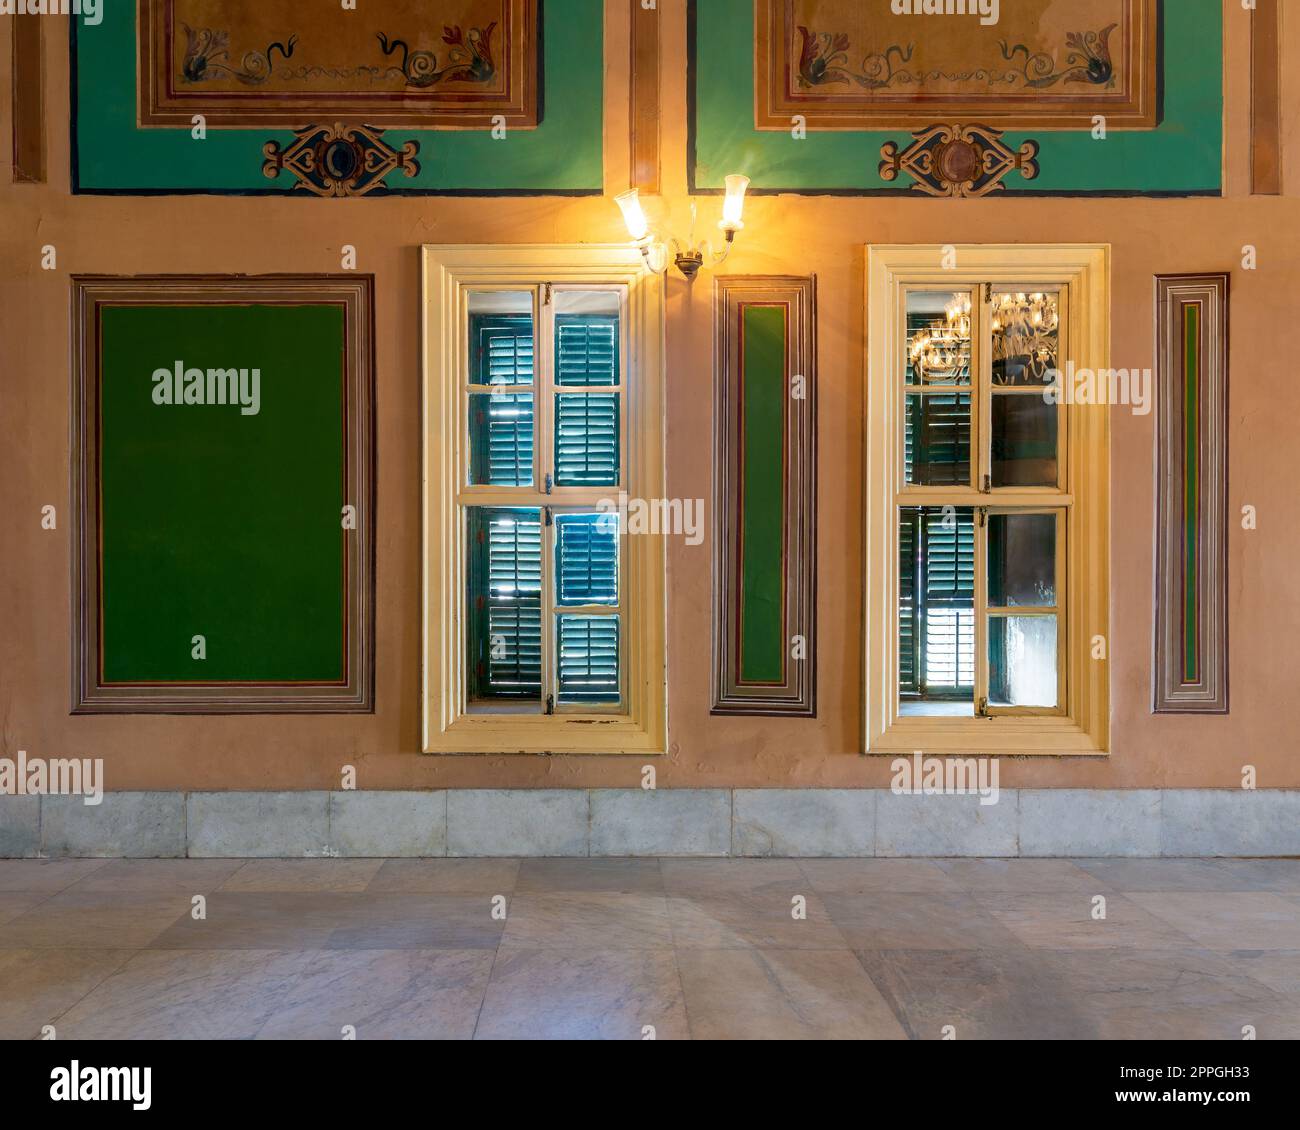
[[629, 203], [733, 208]]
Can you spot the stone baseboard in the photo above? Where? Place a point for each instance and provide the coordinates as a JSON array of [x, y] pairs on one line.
[[1031, 823]]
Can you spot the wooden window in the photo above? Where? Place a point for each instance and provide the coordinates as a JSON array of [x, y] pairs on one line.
[[986, 502], [543, 612]]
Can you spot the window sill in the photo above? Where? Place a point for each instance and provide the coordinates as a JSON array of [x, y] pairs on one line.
[[989, 737], [586, 734]]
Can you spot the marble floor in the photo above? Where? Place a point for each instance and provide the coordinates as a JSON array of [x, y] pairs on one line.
[[629, 948]]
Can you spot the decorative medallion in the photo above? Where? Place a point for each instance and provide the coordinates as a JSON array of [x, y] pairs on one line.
[[340, 161], [958, 160]]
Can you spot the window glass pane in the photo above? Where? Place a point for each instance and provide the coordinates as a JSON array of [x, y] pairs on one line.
[[501, 338], [936, 439], [1022, 661], [1023, 441], [586, 337], [937, 609], [586, 349], [1026, 337], [501, 439], [504, 603], [1022, 560], [586, 559], [938, 337], [586, 439], [587, 660]]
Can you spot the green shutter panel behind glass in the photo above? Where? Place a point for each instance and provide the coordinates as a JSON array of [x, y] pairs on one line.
[[503, 349], [907, 609], [501, 426], [586, 424], [505, 588], [586, 350], [587, 664], [949, 595], [586, 553]]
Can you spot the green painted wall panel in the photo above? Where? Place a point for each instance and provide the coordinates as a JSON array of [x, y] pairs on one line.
[[1182, 156], [217, 523], [564, 153], [762, 474]]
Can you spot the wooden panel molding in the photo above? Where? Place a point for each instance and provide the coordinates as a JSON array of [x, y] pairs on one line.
[[765, 496], [135, 482], [28, 101], [1191, 597]]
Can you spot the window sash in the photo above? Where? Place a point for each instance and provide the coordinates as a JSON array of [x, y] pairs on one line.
[[979, 493], [559, 499]]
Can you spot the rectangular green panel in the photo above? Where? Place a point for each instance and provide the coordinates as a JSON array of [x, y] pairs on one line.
[[763, 399], [1183, 156], [1191, 491], [562, 155], [217, 521]]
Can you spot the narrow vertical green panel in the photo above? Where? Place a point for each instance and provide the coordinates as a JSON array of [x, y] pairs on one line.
[[1191, 491], [763, 397]]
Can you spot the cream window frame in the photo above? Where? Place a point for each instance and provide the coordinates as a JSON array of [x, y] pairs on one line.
[[448, 274], [1082, 725]]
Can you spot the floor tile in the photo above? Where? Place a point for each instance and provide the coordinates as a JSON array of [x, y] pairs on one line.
[[784, 994], [161, 876], [45, 874], [38, 986], [1164, 874], [1151, 979], [14, 903], [185, 995], [1018, 875], [94, 920], [405, 994], [730, 876], [977, 994], [888, 921], [584, 993], [283, 920], [1067, 922], [552, 876], [396, 921], [447, 876], [762, 917], [855, 876], [303, 875], [601, 919], [1230, 920], [1276, 970]]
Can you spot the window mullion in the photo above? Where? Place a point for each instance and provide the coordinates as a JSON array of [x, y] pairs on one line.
[[544, 380], [982, 343]]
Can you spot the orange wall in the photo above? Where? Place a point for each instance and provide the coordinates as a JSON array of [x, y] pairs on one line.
[[796, 235]]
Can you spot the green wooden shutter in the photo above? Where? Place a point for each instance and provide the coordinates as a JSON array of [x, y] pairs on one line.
[[908, 608], [502, 349], [586, 557], [501, 439], [586, 349], [586, 439], [948, 614], [587, 663], [505, 607]]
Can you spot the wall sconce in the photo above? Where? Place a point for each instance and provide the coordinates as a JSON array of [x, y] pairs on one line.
[[688, 257]]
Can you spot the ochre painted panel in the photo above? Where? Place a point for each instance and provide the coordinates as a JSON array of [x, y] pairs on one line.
[[449, 64], [878, 64]]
